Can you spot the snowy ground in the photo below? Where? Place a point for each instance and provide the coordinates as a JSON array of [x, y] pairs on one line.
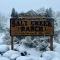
[[23, 53]]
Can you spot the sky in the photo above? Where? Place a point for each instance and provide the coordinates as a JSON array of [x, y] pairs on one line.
[[25, 5]]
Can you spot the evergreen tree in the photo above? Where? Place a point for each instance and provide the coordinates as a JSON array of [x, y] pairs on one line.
[[49, 12], [14, 13]]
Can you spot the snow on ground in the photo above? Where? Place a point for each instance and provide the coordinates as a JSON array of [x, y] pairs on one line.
[[56, 58], [4, 58], [49, 55], [21, 48], [34, 52], [11, 54], [56, 47], [29, 58], [1, 40], [31, 53], [3, 48]]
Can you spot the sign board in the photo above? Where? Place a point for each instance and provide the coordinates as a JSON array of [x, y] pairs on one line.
[[31, 26]]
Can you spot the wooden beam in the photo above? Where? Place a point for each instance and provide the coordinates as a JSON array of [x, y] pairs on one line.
[[51, 43], [12, 45]]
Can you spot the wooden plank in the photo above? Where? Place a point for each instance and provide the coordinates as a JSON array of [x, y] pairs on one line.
[[24, 27]]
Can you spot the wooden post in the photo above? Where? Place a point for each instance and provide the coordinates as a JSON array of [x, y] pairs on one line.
[[51, 43], [12, 45]]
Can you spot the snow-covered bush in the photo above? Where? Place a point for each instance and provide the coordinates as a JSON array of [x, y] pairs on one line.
[[37, 42], [27, 41], [7, 38], [21, 48], [1, 38]]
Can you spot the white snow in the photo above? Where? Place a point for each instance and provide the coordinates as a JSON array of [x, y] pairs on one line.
[[21, 48], [57, 28], [4, 48], [3, 58], [55, 44], [1, 38], [11, 54], [29, 58], [57, 49], [56, 58], [14, 56], [0, 54], [49, 55], [32, 53], [1, 41]]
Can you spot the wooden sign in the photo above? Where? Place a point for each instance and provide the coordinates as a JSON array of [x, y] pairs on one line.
[[31, 26]]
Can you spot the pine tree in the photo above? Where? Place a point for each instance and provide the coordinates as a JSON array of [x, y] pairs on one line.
[[14, 13], [49, 12]]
